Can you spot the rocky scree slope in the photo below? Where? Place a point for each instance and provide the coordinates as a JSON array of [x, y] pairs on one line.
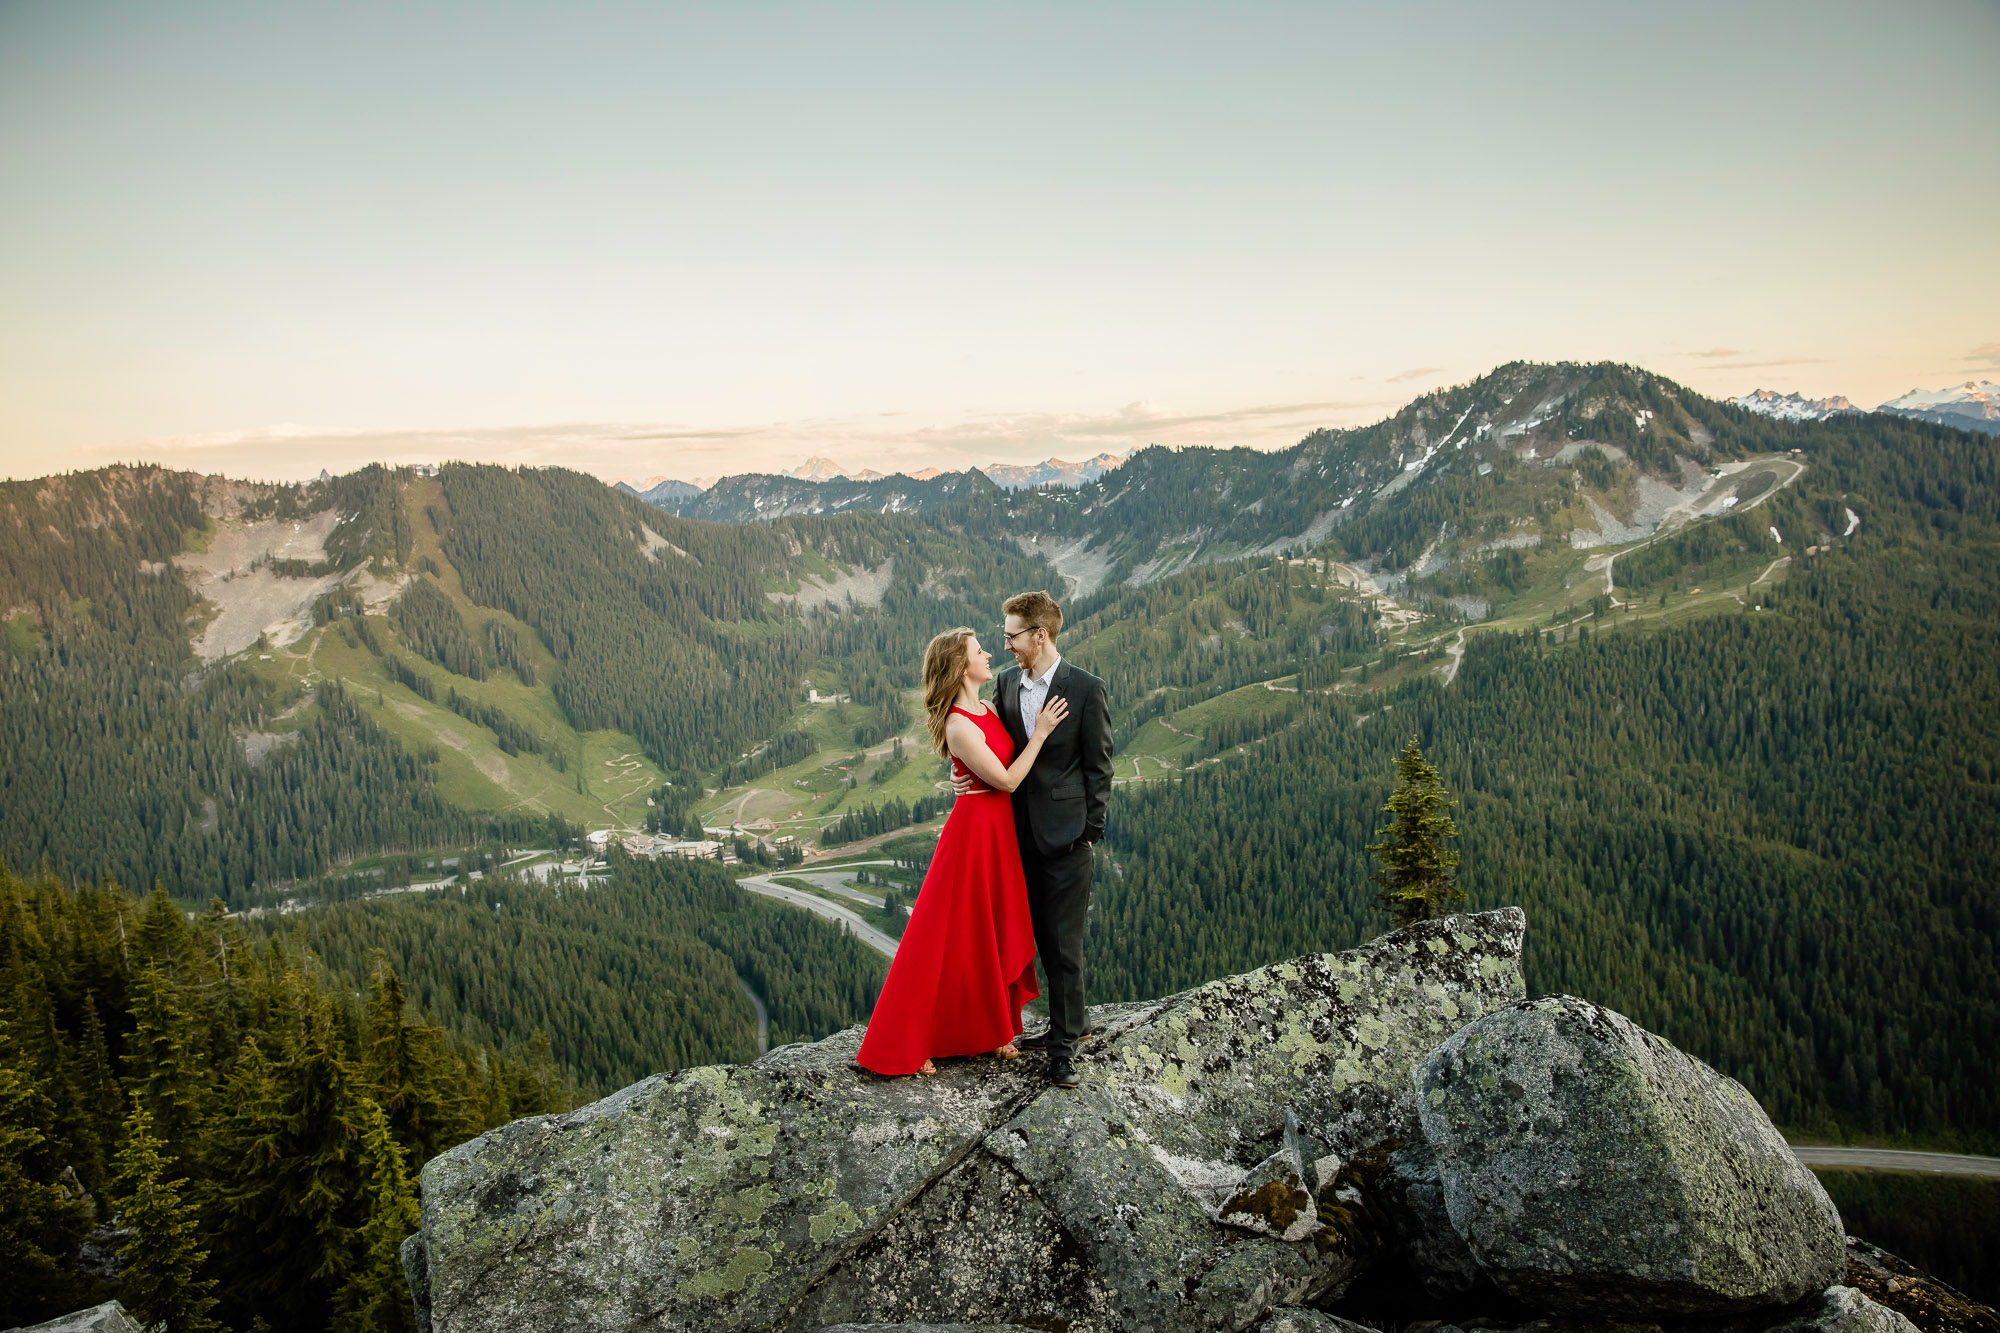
[[1257, 1150]]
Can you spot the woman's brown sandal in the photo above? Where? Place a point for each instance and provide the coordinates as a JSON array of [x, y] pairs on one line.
[[1008, 1052], [927, 1069]]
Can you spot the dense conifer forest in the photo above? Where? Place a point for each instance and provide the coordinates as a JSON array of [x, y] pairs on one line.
[[627, 977], [254, 1121]]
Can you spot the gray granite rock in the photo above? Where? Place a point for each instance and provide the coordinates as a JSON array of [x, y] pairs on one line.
[[1932, 1305], [1594, 1169], [711, 1198], [801, 1192], [1845, 1310], [109, 1317], [417, 1272]]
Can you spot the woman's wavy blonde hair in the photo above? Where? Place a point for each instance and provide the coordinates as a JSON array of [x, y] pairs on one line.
[[945, 660]]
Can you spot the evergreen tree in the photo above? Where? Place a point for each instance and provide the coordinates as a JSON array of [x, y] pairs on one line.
[[161, 1071], [239, 1187], [291, 1194], [404, 1067], [376, 1296], [162, 1285], [1419, 874]]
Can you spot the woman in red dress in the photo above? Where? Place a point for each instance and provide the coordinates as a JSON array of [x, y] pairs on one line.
[[966, 963]]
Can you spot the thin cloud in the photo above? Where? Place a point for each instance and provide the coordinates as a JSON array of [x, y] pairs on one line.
[[1729, 358], [886, 441], [1417, 373], [1766, 365], [1986, 356]]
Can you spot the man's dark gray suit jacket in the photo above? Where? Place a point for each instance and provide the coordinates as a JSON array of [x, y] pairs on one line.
[[1063, 799]]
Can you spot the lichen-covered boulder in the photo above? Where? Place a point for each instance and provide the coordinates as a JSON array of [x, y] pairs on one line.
[[707, 1198], [1204, 1085], [802, 1193], [1845, 1310], [1592, 1168]]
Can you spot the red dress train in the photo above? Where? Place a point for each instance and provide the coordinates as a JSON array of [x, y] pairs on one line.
[[966, 963]]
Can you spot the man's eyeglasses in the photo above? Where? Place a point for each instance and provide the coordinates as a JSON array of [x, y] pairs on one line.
[[1007, 637]]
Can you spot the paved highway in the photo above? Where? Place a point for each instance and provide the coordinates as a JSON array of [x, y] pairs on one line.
[[832, 911], [836, 881], [1896, 1159]]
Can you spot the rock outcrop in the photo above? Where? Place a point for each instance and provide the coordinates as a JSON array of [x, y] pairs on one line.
[[801, 1192], [1592, 1168], [1389, 1137]]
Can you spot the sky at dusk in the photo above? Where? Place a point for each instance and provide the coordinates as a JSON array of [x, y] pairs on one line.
[[650, 240]]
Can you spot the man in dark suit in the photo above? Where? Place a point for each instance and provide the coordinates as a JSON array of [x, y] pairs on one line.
[[1059, 809]]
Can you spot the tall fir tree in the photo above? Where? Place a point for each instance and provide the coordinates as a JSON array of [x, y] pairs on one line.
[[376, 1296], [1419, 874], [405, 1066], [162, 1283], [161, 1069]]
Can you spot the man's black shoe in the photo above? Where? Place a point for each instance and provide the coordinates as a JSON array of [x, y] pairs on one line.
[[1062, 1074], [1040, 1041]]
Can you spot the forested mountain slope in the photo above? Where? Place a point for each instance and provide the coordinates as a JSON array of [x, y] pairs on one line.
[[759, 497], [123, 756], [1719, 693], [217, 685], [1764, 833]]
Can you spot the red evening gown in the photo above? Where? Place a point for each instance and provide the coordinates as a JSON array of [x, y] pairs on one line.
[[966, 963]]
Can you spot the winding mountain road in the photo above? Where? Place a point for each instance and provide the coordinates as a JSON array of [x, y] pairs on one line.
[[832, 911], [1681, 516], [1897, 1159]]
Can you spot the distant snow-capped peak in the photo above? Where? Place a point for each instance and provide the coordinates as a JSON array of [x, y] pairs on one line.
[[1969, 406], [1792, 406], [1985, 391], [1012, 476], [819, 469], [1015, 476]]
